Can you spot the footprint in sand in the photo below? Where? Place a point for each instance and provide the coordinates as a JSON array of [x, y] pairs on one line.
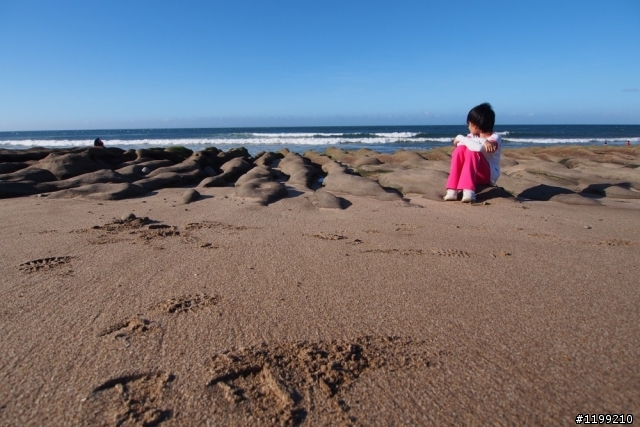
[[130, 400], [501, 254], [216, 225], [543, 235], [135, 330], [209, 245], [616, 242], [407, 227], [43, 264], [120, 230], [456, 253], [124, 224], [283, 384], [156, 233], [396, 251], [133, 325], [186, 303], [328, 236], [103, 239], [48, 232]]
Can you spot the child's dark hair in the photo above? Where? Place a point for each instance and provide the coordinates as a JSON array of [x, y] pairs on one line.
[[483, 117]]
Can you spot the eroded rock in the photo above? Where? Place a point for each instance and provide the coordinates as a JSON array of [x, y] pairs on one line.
[[563, 174], [262, 190], [190, 195], [101, 192], [300, 173], [325, 200]]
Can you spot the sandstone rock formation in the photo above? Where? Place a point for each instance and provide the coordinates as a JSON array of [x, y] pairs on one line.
[[574, 175]]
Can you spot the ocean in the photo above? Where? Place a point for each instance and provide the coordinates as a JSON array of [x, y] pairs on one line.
[[299, 139]]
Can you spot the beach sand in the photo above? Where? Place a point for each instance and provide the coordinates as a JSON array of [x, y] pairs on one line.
[[385, 310]]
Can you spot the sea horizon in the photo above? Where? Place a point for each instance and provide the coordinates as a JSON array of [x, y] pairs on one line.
[[302, 138]]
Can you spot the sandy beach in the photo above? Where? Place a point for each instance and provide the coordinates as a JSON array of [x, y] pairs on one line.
[[332, 288]]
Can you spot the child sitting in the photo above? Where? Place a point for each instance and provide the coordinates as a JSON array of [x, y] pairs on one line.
[[476, 158]]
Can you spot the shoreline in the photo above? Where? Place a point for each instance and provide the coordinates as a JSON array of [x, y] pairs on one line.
[[302, 148], [386, 139]]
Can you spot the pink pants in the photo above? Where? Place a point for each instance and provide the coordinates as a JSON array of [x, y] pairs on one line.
[[468, 168]]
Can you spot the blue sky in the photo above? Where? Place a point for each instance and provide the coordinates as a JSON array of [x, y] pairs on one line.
[[114, 64]]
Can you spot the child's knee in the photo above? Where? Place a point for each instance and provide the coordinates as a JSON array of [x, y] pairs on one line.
[[460, 149]]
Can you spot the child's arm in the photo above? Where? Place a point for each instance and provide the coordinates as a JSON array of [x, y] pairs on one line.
[[473, 144], [490, 145]]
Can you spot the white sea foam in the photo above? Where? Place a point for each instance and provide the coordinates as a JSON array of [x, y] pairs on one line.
[[293, 135], [26, 143], [328, 135], [569, 140], [271, 139], [285, 139], [397, 135]]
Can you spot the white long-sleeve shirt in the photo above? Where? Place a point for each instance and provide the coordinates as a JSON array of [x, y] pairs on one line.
[[476, 143]]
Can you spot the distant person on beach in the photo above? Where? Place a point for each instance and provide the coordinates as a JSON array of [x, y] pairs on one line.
[[98, 143], [628, 143], [476, 158]]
